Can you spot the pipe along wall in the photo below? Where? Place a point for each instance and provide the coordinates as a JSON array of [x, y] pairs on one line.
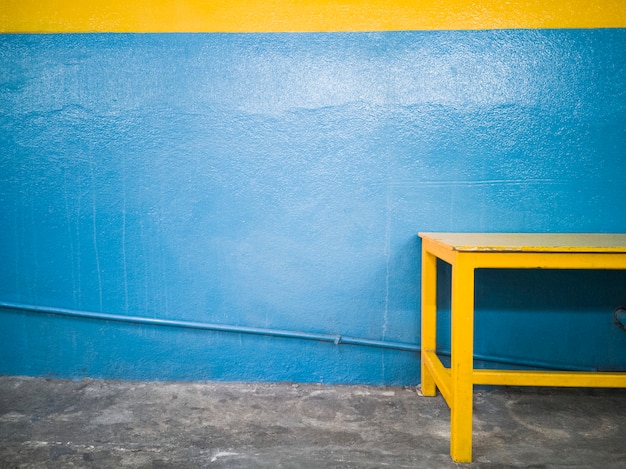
[[278, 180], [335, 339]]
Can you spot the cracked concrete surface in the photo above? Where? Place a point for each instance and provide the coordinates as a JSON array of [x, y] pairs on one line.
[[46, 423]]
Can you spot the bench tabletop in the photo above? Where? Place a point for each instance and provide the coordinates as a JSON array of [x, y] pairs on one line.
[[529, 242]]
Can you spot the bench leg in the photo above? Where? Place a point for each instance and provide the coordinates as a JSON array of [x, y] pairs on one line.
[[429, 318], [462, 336]]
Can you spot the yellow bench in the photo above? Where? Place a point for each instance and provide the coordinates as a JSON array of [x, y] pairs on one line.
[[466, 252]]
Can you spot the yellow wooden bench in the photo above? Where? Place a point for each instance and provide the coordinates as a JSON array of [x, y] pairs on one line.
[[466, 252]]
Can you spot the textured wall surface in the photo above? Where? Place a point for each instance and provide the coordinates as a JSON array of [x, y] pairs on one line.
[[279, 180]]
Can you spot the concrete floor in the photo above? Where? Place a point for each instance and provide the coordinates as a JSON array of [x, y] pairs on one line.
[[56, 423]]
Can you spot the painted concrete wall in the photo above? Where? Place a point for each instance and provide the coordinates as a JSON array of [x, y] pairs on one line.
[[279, 181], [262, 16]]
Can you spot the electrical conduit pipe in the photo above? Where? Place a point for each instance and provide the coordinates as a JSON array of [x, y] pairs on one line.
[[334, 338]]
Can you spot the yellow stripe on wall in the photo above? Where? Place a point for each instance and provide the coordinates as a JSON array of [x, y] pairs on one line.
[[39, 16]]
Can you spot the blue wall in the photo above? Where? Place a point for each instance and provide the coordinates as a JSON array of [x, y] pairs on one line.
[[279, 181]]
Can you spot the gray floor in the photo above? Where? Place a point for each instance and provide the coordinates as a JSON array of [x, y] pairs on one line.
[[56, 423]]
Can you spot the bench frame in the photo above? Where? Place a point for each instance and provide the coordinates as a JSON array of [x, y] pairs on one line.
[[466, 252]]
